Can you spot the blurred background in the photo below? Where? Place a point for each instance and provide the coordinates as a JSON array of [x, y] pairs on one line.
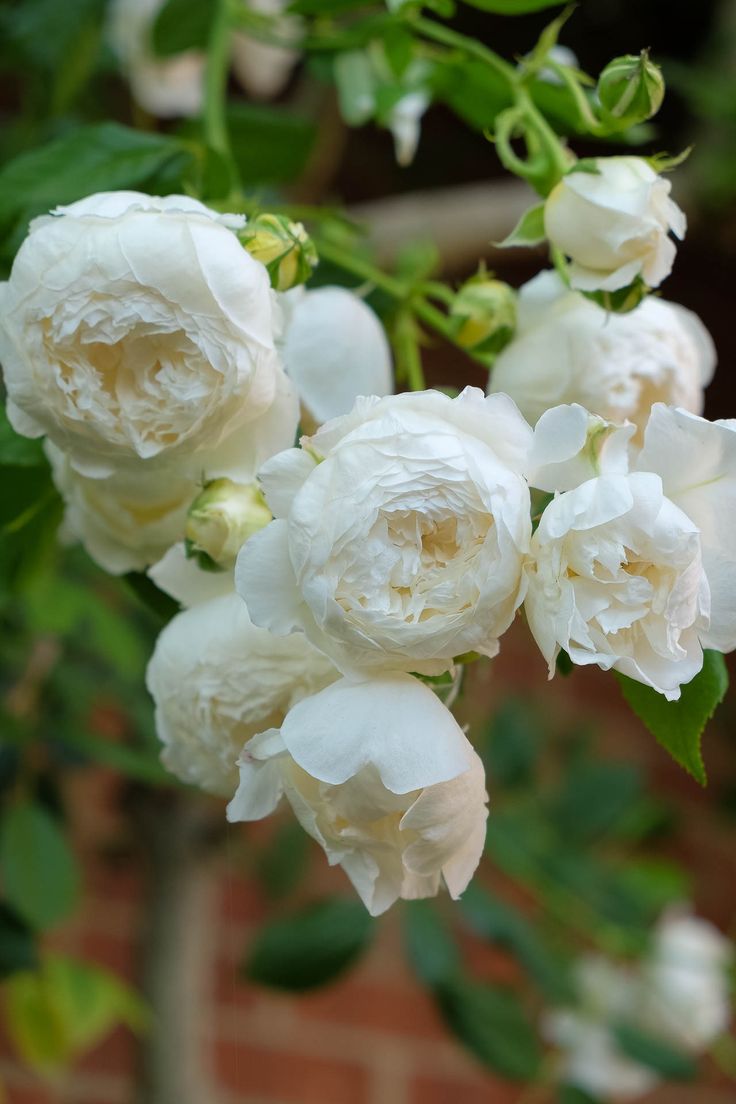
[[200, 970]]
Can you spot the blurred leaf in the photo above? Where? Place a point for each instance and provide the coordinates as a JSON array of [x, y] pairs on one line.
[[39, 873], [500, 923], [474, 91], [654, 1053], [514, 7], [356, 87], [430, 947], [17, 944], [593, 798], [656, 883], [282, 864], [42, 31], [23, 485], [19, 451], [130, 761], [64, 1008], [678, 725], [163, 606], [492, 1024], [271, 145], [571, 1094], [398, 45], [26, 549], [311, 946], [511, 744], [182, 25], [95, 158]]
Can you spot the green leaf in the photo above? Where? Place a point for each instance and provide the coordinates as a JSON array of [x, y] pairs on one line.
[[432, 951], [529, 230], [571, 1094], [356, 87], [500, 923], [182, 25], [678, 725], [271, 145], [655, 1053], [161, 605], [492, 1024], [514, 7], [474, 91], [23, 486], [310, 947], [39, 873], [17, 944], [57, 1012], [96, 158]]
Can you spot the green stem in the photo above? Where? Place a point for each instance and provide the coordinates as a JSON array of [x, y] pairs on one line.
[[448, 37], [408, 356], [215, 87]]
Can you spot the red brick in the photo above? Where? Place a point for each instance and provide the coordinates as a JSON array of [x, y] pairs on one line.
[[240, 901], [111, 952], [29, 1094], [115, 1054], [289, 1078], [375, 1007], [438, 1090]]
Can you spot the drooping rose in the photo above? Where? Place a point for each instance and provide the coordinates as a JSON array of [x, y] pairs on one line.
[[217, 680], [137, 328], [569, 350], [400, 532], [381, 775], [614, 224]]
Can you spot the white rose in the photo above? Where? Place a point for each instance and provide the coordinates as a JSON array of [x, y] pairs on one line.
[[569, 350], [686, 982], [261, 67], [616, 575], [163, 86], [381, 775], [125, 522], [614, 224], [334, 350], [399, 535], [135, 328], [217, 680]]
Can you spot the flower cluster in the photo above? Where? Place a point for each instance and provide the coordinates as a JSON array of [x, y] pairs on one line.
[[152, 343], [677, 996]]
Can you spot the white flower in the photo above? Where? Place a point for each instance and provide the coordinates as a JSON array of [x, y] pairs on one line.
[[135, 328], [616, 574], [261, 67], [126, 521], [381, 775], [614, 224], [163, 86], [399, 535], [686, 982], [696, 460], [334, 350], [592, 1059], [217, 680], [405, 124], [569, 350]]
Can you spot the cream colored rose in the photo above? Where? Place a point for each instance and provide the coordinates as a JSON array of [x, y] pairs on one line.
[[136, 328], [217, 680], [614, 224], [569, 350], [381, 775], [400, 532]]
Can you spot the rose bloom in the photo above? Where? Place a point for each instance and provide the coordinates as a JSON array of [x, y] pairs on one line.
[[382, 776], [634, 570], [614, 224], [686, 981], [400, 532], [569, 350], [217, 680], [134, 327], [334, 349], [125, 522]]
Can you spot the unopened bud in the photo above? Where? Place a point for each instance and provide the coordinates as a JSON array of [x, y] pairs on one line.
[[485, 314], [631, 89], [221, 519], [283, 246]]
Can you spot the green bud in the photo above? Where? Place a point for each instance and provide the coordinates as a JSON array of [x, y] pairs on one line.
[[484, 311], [630, 90], [283, 246], [622, 300], [221, 519]]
